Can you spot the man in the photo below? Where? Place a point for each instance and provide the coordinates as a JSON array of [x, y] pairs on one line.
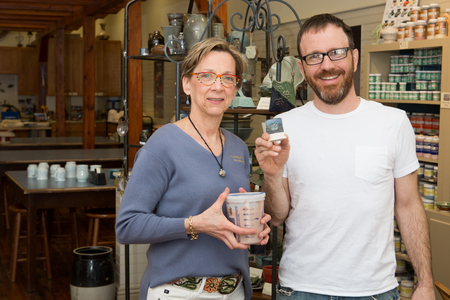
[[352, 165]]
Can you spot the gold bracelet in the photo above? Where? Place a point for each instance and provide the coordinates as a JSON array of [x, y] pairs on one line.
[[194, 235]]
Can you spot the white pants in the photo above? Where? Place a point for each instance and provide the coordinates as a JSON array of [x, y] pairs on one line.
[[170, 292]]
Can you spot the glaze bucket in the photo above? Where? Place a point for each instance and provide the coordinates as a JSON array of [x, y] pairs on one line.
[[246, 210], [93, 275]]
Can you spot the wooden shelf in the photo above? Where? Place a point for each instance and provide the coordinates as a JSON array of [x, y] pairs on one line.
[[428, 102]]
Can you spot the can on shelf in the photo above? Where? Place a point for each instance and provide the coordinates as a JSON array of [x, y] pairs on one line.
[[441, 30], [409, 31], [420, 30], [423, 14], [401, 32], [436, 96], [415, 13], [431, 29], [434, 11]]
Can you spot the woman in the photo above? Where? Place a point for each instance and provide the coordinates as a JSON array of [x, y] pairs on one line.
[[180, 181]]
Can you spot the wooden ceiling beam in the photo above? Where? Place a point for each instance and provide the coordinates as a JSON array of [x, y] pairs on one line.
[[39, 7], [67, 2], [90, 10], [35, 13], [21, 19]]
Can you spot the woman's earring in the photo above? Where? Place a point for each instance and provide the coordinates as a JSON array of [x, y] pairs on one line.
[[188, 99]]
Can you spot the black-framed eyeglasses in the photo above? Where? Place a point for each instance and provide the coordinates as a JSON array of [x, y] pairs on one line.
[[317, 58], [209, 78]]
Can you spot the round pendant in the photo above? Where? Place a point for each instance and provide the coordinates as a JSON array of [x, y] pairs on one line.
[[222, 172]]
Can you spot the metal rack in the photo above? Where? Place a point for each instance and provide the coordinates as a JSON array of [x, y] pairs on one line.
[[260, 19]]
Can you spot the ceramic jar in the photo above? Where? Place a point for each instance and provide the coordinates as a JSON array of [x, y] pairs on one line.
[[53, 169], [389, 34], [71, 169], [82, 173], [93, 274], [103, 35], [32, 170], [42, 173], [193, 30]]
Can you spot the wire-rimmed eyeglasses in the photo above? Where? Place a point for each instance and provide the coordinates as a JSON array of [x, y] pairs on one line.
[[209, 78], [333, 55]]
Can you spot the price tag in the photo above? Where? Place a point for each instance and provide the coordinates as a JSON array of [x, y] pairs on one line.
[[404, 45], [264, 103], [445, 100]]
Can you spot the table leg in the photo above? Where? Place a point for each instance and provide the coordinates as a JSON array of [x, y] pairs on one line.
[[5, 199], [31, 244]]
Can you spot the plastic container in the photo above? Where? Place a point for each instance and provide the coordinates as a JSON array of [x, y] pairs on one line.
[[406, 288], [427, 203], [246, 210], [427, 148], [397, 243], [434, 149]]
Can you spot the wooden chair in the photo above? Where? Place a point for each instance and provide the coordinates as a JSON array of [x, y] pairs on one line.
[[18, 210], [443, 290], [96, 214]]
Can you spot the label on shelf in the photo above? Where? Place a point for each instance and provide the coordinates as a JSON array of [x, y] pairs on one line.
[[403, 45], [445, 99]]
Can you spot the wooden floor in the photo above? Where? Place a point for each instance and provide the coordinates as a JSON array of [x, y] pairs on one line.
[[61, 262]]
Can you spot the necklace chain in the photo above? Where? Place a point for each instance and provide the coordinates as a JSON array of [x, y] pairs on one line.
[[222, 171]]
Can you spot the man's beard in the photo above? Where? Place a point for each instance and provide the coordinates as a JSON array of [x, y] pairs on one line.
[[332, 95]]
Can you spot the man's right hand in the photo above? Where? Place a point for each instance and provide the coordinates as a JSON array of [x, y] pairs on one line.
[[272, 156]]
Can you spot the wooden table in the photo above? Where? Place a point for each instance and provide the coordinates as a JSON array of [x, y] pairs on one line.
[[19, 160], [46, 194], [42, 131], [49, 143]]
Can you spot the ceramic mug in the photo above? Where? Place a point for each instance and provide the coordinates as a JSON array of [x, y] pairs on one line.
[[53, 169], [60, 174], [82, 173], [32, 170], [43, 164], [71, 169], [42, 173]]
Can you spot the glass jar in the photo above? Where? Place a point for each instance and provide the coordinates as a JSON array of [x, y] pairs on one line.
[[145, 135]]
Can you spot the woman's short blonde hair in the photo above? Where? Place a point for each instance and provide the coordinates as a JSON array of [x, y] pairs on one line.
[[203, 48]]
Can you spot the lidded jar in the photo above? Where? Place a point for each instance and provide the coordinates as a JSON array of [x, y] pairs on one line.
[[156, 38], [434, 11], [431, 29], [423, 14], [420, 30], [415, 13]]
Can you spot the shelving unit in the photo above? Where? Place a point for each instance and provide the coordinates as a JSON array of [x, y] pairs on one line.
[[377, 60]]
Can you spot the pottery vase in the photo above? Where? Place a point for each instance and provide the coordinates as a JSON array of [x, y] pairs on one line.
[[103, 35], [156, 38], [193, 30]]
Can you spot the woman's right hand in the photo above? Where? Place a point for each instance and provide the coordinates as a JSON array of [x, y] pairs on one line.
[[271, 156], [214, 223]]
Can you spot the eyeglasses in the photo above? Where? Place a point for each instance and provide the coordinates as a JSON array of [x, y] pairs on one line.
[[209, 78], [317, 58]]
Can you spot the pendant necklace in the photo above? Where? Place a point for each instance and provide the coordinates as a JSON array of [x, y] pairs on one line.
[[222, 171]]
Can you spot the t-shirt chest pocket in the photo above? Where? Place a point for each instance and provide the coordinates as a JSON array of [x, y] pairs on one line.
[[371, 163]]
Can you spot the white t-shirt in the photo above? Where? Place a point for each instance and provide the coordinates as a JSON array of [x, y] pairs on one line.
[[341, 170]]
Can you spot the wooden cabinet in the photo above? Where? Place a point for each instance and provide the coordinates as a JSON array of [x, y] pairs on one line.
[[8, 60], [28, 72], [108, 71], [377, 60], [108, 68]]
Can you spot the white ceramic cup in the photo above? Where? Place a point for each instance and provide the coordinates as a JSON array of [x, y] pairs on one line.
[[93, 168], [246, 210], [42, 173], [71, 169], [32, 170], [43, 164], [60, 174], [53, 169], [82, 173]]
